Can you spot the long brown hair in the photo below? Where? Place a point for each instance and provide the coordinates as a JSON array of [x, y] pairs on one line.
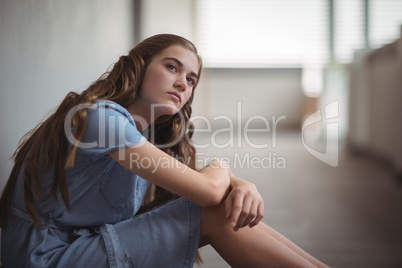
[[47, 145]]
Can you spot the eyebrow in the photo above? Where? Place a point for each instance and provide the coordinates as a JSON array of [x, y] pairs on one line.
[[180, 64]]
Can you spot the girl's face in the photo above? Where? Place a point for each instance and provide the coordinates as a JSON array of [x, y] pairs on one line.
[[169, 80]]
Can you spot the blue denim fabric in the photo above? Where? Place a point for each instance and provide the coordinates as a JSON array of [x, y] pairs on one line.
[[167, 236]]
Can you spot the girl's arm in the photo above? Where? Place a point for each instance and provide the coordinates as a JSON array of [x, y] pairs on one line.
[[207, 187]]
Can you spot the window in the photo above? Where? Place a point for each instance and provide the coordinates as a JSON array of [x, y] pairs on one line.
[[385, 20], [287, 33], [262, 32], [348, 28]]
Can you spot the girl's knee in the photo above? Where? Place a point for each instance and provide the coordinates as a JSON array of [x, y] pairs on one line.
[[213, 219]]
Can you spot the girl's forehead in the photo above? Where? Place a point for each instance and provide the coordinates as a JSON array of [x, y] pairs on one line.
[[181, 53]]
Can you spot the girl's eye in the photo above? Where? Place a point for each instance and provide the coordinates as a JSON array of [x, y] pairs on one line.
[[190, 81], [171, 67]]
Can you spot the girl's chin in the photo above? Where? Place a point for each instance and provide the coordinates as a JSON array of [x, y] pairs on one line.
[[161, 110]]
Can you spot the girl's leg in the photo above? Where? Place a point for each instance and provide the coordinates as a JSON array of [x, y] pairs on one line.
[[259, 246], [290, 245]]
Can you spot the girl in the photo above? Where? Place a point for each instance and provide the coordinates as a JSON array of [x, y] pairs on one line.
[[89, 190]]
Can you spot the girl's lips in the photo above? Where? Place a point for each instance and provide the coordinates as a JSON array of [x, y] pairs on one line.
[[176, 96]]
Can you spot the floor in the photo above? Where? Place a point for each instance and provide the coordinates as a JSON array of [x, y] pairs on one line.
[[347, 216]]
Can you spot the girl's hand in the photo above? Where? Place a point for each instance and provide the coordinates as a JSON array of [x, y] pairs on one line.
[[244, 205]]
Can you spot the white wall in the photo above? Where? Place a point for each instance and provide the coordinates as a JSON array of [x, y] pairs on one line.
[[48, 48], [167, 16], [242, 94]]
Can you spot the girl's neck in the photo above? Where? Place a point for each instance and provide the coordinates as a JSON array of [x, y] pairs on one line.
[[141, 114]]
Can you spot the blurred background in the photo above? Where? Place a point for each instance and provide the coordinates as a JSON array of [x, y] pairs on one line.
[[309, 89]]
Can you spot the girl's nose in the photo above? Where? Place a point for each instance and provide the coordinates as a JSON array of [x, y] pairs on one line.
[[180, 84]]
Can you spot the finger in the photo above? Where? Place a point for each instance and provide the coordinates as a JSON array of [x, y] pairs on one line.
[[250, 218], [228, 206], [244, 217], [251, 214], [259, 216], [237, 205]]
